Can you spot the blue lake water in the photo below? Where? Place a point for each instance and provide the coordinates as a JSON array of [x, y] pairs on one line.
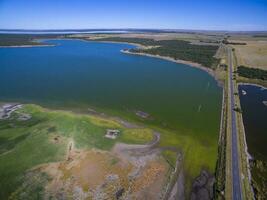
[[75, 73]]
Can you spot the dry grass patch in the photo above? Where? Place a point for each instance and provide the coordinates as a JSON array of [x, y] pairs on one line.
[[87, 169], [151, 180], [96, 174], [254, 54]]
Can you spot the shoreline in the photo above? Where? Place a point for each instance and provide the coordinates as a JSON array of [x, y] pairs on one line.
[[210, 71], [248, 155], [190, 63], [114, 42], [102, 41], [252, 84]]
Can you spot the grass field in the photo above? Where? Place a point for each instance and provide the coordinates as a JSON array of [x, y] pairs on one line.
[[194, 37], [200, 152], [136, 136], [253, 54], [25, 144]]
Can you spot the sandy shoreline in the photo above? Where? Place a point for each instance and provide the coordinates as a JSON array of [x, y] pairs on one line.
[[253, 84], [114, 42], [190, 63], [196, 65]]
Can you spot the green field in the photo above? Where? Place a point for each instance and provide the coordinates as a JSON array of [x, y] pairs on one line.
[[25, 144]]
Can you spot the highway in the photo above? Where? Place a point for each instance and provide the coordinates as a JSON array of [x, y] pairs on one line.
[[236, 185]]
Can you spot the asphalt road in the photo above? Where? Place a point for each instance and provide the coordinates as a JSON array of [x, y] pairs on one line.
[[236, 187]]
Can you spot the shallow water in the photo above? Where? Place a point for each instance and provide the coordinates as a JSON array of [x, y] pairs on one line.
[[90, 74]]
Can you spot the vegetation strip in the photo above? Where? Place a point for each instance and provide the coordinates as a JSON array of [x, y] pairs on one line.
[[252, 73], [176, 49]]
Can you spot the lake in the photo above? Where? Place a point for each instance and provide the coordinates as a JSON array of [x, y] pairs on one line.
[[255, 118], [255, 123], [79, 74]]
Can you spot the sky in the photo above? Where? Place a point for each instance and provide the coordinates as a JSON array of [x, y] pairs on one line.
[[236, 15]]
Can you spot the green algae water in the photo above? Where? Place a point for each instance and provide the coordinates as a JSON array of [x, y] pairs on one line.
[[81, 74]]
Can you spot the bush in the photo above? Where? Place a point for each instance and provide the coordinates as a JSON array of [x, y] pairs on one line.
[[252, 73]]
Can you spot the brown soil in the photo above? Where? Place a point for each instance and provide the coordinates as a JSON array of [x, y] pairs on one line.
[[85, 170], [100, 174], [150, 183]]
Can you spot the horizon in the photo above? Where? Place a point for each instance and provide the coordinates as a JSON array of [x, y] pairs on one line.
[[157, 14], [126, 30]]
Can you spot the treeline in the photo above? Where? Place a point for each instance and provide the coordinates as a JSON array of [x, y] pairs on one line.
[[252, 73], [23, 39], [142, 41], [259, 36], [210, 41], [15, 39], [225, 41], [177, 49]]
